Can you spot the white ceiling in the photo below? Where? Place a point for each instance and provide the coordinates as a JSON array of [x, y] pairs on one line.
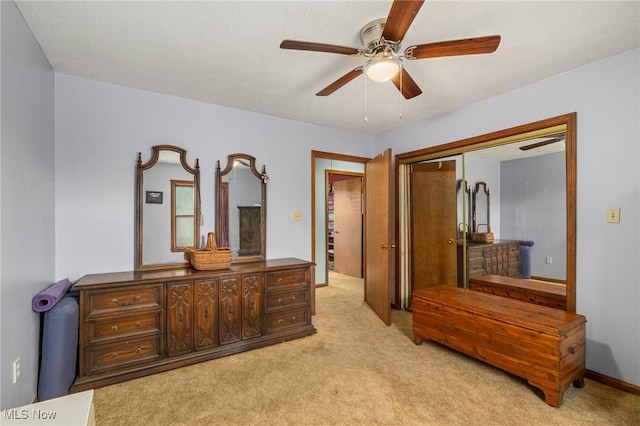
[[227, 52]]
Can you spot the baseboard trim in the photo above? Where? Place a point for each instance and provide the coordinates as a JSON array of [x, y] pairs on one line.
[[613, 382]]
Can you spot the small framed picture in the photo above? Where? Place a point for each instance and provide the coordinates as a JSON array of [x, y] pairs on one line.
[[154, 197]]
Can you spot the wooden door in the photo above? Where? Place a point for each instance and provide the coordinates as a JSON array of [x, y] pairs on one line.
[[347, 233], [378, 237], [433, 217]]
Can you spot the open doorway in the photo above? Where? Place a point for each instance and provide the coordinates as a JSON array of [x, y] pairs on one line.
[[321, 162], [344, 218]]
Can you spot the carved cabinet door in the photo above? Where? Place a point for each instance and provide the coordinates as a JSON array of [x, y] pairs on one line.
[[205, 295], [229, 309], [251, 306], [179, 318]]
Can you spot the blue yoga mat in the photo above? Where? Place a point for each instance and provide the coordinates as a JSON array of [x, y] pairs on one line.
[[59, 348]]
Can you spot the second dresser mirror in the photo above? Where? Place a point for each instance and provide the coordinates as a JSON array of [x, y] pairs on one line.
[[241, 208]]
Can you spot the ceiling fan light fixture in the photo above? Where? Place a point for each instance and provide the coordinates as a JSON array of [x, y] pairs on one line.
[[383, 69]]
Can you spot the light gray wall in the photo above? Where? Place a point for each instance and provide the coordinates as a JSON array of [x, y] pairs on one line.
[[533, 208], [606, 97], [27, 199], [101, 127]]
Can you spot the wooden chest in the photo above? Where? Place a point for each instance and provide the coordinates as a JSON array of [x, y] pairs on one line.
[[553, 295], [543, 345]]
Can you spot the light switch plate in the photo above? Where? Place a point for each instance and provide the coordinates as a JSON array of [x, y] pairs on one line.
[[297, 216]]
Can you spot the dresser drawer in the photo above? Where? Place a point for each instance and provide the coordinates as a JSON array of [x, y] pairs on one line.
[[141, 297], [287, 300], [288, 319], [123, 327], [287, 280], [123, 354], [476, 267]]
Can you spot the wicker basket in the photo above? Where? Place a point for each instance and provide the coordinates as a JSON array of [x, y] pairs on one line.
[[211, 257], [482, 237]]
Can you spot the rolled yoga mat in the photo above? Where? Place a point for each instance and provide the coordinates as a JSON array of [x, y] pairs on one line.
[[47, 299], [59, 348]]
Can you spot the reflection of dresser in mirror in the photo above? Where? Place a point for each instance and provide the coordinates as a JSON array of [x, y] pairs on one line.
[[249, 230], [501, 257]]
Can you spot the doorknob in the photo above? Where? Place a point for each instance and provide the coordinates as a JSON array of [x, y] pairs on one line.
[[386, 246], [451, 241]]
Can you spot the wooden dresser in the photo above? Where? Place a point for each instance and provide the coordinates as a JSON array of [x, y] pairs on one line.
[[501, 257], [133, 324]]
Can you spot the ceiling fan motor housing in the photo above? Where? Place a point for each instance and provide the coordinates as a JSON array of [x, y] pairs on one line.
[[371, 37]]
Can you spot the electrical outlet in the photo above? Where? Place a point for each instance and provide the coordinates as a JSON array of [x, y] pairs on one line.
[[549, 260], [16, 370], [613, 215]]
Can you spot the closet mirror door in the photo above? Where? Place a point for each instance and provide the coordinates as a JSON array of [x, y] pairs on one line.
[[167, 208], [241, 208], [531, 170]]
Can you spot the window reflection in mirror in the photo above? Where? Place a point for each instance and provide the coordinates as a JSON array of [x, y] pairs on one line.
[[182, 215]]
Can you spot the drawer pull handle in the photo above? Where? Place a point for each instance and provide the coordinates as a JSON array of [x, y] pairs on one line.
[[114, 328], [138, 324], [291, 321], [279, 280], [287, 301], [138, 350], [116, 302], [113, 355]]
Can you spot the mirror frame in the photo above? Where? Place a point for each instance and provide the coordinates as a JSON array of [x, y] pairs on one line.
[[462, 186], [568, 124], [474, 207], [140, 168], [262, 176]]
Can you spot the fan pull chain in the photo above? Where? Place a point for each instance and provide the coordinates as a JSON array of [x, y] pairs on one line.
[[366, 118], [401, 92]]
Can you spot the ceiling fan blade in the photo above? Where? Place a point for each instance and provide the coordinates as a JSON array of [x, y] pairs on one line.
[[340, 82], [318, 47], [400, 18], [407, 86], [541, 143], [469, 46]]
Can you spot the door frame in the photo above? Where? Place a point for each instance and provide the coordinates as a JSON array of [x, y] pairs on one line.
[[328, 156]]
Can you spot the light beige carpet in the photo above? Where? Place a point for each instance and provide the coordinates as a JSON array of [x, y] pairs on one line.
[[355, 370]]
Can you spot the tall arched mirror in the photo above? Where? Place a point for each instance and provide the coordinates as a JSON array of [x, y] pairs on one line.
[[531, 170], [463, 204], [167, 208], [480, 209], [241, 208]]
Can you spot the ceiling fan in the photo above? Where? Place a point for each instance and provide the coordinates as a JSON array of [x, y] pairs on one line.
[[381, 40]]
